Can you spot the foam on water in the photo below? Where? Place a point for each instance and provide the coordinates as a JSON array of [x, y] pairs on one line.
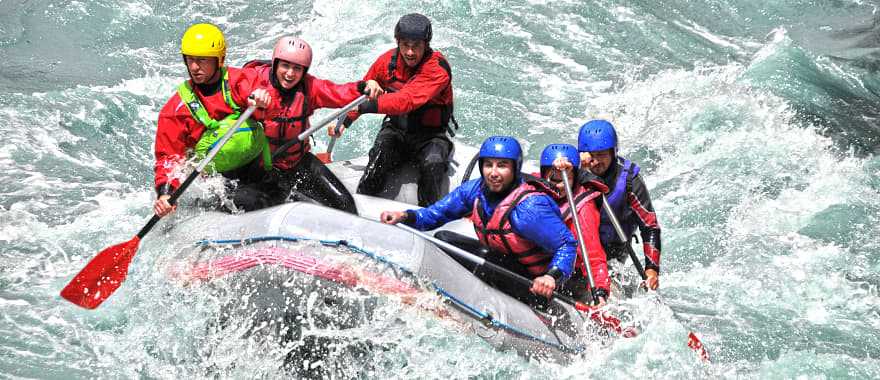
[[756, 145]]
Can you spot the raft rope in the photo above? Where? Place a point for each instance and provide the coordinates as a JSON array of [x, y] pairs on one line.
[[470, 309]]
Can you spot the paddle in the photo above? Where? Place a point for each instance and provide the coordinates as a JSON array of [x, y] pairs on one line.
[[580, 235], [602, 318], [470, 168], [319, 125], [326, 157], [693, 341], [622, 238], [108, 269]]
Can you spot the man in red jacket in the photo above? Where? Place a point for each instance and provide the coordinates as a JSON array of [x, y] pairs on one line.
[[215, 96], [418, 109]]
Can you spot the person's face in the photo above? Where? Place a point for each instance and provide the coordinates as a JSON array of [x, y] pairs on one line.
[[288, 73], [554, 176], [202, 70], [498, 173], [412, 51], [597, 162]]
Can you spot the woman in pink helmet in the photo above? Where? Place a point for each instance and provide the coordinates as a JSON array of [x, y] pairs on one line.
[[293, 95]]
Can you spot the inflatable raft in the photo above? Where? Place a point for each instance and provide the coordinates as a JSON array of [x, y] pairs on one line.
[[302, 260]]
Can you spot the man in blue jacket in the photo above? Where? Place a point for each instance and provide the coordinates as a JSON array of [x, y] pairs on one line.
[[512, 216]]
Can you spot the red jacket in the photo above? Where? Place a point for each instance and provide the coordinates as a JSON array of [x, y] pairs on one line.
[[177, 131], [429, 83], [589, 217], [284, 122]]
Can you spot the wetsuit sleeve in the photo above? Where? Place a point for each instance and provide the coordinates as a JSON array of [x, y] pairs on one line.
[[172, 136], [537, 219], [430, 81], [457, 204], [242, 82], [326, 94], [640, 202], [588, 215]]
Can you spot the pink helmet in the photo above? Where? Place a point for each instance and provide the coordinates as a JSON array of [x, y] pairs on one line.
[[294, 50]]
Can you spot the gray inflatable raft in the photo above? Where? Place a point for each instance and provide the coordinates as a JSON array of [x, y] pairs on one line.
[[276, 253], [271, 258]]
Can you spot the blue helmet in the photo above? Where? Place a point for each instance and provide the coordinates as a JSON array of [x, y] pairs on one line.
[[597, 135], [554, 151], [502, 147]]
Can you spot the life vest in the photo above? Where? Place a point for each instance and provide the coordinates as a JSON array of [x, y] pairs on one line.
[[495, 230], [246, 143], [287, 124], [582, 199], [430, 115], [618, 202]]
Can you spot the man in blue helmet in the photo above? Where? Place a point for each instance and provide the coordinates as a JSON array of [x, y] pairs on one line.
[[628, 196], [514, 217]]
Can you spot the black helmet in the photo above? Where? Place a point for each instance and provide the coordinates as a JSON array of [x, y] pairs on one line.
[[413, 26]]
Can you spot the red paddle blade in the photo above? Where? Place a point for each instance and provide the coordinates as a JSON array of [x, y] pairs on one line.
[[324, 157], [101, 276], [695, 344], [606, 320]]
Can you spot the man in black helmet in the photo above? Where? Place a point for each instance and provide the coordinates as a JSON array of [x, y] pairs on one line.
[[418, 109]]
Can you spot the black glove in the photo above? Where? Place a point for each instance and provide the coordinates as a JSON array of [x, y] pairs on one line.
[[589, 179], [586, 176], [370, 106]]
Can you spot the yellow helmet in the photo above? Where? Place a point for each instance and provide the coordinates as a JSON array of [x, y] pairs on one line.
[[203, 40]]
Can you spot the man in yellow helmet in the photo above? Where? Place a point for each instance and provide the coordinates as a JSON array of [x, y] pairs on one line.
[[198, 114]]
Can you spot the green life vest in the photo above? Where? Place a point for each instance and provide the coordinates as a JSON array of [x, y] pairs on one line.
[[246, 143]]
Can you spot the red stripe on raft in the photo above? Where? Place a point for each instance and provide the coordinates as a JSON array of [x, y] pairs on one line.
[[297, 261]]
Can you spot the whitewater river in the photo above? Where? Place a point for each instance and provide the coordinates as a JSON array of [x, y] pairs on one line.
[[755, 122]]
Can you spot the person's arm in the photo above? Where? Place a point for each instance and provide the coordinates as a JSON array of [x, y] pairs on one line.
[[243, 82], [640, 201], [455, 205], [431, 80], [377, 72], [170, 151], [538, 220], [248, 88], [327, 94]]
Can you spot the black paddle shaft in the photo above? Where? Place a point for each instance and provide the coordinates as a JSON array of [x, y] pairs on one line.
[[173, 200], [636, 262], [623, 239], [524, 281], [481, 262], [302, 136]]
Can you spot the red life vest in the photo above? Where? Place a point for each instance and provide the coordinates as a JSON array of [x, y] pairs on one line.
[[289, 122], [433, 114], [496, 232]]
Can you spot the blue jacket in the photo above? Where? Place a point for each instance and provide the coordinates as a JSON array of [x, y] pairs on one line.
[[536, 218]]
